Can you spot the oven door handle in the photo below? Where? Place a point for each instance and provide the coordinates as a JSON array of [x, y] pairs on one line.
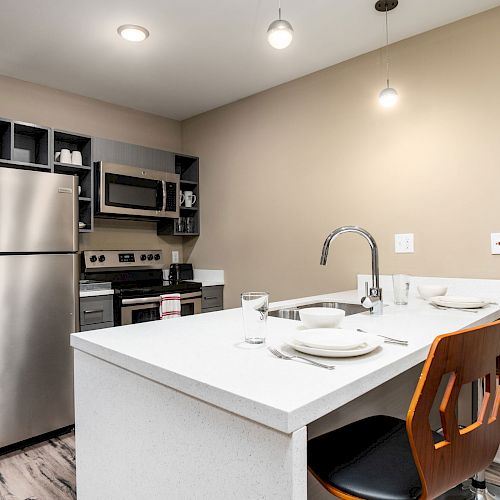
[[152, 300], [164, 186], [141, 300]]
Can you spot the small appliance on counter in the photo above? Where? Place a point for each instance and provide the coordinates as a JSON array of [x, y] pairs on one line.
[[137, 279], [180, 272]]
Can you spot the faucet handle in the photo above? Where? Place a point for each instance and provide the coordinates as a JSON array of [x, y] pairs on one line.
[[366, 301]]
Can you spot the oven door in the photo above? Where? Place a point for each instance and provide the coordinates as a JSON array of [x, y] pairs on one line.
[[142, 309], [136, 192]]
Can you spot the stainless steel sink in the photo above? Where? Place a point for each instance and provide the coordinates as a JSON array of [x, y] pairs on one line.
[[293, 313]]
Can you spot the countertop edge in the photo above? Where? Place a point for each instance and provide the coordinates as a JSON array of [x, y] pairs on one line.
[[276, 419]]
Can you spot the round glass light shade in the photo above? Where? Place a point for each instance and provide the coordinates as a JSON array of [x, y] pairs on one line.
[[388, 97], [280, 34], [133, 33]]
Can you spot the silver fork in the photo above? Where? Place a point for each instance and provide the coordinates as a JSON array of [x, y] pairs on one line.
[[389, 340], [443, 308], [281, 355]]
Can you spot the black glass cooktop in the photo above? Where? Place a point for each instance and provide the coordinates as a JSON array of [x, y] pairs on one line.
[[133, 290], [133, 284]]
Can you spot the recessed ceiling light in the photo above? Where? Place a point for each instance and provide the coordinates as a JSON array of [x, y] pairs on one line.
[[133, 33]]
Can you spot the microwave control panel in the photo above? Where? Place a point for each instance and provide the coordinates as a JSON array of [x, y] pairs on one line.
[[171, 197]]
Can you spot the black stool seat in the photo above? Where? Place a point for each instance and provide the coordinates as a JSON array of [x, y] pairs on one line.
[[369, 459]]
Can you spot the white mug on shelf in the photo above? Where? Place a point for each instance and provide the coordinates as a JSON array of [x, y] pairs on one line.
[[182, 198], [189, 199], [76, 158], [57, 156], [65, 156]]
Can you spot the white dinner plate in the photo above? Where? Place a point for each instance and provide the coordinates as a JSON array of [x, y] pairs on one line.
[[459, 302], [330, 338], [370, 344]]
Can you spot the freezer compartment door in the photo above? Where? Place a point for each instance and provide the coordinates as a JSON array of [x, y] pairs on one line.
[[38, 212], [38, 312]]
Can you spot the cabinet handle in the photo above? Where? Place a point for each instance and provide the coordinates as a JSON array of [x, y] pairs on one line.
[[92, 311], [211, 298]]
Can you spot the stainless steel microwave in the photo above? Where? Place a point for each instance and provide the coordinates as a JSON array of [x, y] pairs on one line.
[[134, 193]]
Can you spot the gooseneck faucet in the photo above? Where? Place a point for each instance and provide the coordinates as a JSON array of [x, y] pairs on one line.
[[373, 297]]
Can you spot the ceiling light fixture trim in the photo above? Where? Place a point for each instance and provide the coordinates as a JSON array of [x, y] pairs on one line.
[[133, 32]]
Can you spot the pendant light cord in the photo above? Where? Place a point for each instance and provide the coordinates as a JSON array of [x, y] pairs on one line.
[[279, 10], [387, 43]]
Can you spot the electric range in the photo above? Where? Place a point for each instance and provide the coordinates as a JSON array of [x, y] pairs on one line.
[[137, 279]]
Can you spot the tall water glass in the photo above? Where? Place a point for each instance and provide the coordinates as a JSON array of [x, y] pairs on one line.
[[255, 306], [401, 284]]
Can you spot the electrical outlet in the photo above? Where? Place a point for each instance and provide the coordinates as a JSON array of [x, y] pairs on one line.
[[495, 243], [404, 243], [175, 256]]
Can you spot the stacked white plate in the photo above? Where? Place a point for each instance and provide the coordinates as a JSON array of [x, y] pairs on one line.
[[334, 342], [459, 302]]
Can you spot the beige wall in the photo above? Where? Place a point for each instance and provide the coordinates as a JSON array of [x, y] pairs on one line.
[[279, 170], [26, 101]]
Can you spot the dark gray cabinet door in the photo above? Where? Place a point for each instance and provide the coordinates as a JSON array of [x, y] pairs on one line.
[[133, 155]]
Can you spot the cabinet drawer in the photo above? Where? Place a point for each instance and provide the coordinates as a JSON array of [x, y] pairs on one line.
[[211, 309], [212, 296], [97, 326], [96, 310]]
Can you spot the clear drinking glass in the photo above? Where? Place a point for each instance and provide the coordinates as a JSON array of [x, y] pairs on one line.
[[180, 225], [189, 224], [401, 284], [255, 306]]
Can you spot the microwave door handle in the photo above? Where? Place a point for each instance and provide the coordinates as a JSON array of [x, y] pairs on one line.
[[164, 186]]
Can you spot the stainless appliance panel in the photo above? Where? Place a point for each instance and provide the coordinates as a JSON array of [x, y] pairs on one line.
[[147, 308], [38, 212], [140, 195], [39, 311]]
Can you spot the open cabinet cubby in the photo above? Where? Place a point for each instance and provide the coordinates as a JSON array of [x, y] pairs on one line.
[[31, 145], [5, 140], [67, 140], [187, 167]]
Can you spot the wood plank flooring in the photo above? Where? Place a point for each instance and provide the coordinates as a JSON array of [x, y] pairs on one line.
[[46, 471]]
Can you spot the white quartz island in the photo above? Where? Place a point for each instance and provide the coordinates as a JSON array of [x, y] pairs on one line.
[[182, 409]]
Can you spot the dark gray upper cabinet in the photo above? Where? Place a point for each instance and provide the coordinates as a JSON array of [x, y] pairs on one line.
[[133, 155]]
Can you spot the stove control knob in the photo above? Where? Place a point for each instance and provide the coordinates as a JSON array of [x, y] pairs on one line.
[[102, 258], [93, 258], [157, 256], [150, 256], [143, 256]]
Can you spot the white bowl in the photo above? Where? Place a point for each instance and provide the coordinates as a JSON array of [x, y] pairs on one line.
[[321, 317], [428, 291]]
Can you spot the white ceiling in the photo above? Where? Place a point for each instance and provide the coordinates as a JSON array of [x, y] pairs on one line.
[[201, 53]]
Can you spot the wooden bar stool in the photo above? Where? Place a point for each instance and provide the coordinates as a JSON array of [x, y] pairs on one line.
[[385, 458]]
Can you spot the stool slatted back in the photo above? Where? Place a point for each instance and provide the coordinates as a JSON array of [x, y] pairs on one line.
[[465, 356]]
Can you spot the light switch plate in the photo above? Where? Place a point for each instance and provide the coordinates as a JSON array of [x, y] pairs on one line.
[[495, 243], [404, 243], [175, 256]]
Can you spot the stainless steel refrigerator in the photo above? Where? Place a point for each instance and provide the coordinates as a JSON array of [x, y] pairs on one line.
[[38, 302]]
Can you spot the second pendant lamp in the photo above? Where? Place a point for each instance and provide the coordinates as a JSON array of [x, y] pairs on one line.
[[280, 32], [388, 97]]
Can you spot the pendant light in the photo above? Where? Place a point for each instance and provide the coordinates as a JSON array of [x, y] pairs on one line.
[[280, 32], [388, 97]]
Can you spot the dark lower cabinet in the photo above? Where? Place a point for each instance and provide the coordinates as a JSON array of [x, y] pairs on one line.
[[212, 298]]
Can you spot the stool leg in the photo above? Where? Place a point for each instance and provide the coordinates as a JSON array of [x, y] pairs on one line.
[[478, 484]]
